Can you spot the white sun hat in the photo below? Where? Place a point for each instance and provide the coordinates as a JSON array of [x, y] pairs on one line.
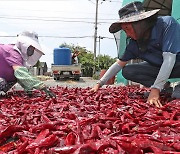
[[30, 38], [24, 40]]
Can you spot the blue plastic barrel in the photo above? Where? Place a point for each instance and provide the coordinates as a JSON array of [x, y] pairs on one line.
[[62, 56]]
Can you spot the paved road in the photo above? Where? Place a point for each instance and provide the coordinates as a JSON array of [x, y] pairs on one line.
[[83, 82]]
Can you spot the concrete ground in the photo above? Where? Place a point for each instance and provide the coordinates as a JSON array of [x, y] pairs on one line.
[[84, 82]]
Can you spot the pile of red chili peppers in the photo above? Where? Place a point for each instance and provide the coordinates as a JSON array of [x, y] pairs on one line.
[[115, 120]]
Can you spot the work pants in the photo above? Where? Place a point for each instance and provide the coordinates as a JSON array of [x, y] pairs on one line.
[[145, 73]]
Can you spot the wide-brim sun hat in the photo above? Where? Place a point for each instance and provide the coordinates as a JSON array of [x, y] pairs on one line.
[[131, 12], [32, 39]]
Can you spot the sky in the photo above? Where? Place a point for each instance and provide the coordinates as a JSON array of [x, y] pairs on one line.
[[60, 21]]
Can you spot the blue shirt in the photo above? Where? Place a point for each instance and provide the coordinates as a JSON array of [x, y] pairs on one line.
[[165, 37]]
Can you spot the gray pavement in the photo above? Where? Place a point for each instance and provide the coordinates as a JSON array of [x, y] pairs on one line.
[[84, 82]]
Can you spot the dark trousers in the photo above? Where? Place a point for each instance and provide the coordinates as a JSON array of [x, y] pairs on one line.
[[5, 86], [146, 74]]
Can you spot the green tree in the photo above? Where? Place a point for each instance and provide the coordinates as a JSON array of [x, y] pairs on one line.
[[104, 62], [86, 59]]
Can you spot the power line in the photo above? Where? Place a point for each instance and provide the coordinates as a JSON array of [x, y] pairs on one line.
[[46, 36], [42, 19], [50, 18], [33, 10], [108, 1], [54, 20]]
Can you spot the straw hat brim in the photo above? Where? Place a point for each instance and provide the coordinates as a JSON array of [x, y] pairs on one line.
[[115, 27]]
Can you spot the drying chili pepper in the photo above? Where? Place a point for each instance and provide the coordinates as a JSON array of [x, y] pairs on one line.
[[8, 131], [177, 146], [22, 147], [65, 149], [113, 120], [50, 125], [71, 138], [9, 146], [45, 142]]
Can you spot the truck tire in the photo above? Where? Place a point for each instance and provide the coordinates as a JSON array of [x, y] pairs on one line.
[[77, 77], [56, 77]]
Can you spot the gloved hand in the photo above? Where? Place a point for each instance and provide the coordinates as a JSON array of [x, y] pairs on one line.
[[49, 92], [29, 93], [2, 94]]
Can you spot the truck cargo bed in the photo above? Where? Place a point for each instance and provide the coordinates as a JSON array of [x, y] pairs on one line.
[[65, 67], [66, 71]]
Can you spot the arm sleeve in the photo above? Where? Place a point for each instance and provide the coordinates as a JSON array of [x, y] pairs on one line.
[[165, 70], [26, 80], [112, 71]]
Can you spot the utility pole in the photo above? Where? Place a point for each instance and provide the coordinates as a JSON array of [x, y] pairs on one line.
[[99, 47], [95, 35]]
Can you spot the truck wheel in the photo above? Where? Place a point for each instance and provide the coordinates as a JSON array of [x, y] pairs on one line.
[[56, 78], [76, 78]]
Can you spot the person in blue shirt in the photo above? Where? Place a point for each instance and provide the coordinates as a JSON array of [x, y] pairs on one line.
[[154, 39]]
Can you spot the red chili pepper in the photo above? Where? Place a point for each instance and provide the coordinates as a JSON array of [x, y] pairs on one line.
[[45, 119], [22, 147], [65, 150], [8, 131], [127, 127], [42, 135], [155, 150], [80, 138], [86, 148], [177, 145], [114, 120], [71, 138], [9, 146], [50, 126], [45, 142]]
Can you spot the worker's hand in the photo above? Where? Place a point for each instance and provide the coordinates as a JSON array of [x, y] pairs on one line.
[[153, 98], [29, 93], [95, 88], [48, 92], [2, 94]]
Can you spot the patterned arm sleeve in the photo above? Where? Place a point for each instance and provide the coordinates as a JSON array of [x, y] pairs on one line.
[[26, 80]]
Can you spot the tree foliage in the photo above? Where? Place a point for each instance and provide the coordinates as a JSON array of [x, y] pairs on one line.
[[86, 59]]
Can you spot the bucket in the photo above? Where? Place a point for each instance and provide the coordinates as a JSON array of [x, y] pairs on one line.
[[62, 56], [110, 81]]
